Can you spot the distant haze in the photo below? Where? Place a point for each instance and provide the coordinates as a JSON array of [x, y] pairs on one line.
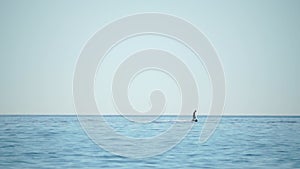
[[257, 42]]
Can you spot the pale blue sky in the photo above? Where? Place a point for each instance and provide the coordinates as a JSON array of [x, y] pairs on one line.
[[257, 42]]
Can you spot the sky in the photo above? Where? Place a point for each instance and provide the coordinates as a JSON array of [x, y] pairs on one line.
[[257, 42]]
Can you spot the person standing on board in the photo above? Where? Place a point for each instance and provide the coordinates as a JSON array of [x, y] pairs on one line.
[[194, 117]]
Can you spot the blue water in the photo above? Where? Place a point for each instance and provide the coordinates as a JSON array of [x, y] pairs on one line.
[[239, 142]]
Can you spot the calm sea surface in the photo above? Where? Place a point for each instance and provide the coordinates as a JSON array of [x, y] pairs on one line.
[[239, 142]]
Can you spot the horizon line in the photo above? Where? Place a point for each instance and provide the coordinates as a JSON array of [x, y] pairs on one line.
[[226, 115]]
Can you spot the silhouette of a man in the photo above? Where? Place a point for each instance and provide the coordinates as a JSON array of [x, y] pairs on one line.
[[194, 117]]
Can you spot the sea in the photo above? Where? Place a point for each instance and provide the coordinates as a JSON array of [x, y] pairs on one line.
[[50, 141]]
